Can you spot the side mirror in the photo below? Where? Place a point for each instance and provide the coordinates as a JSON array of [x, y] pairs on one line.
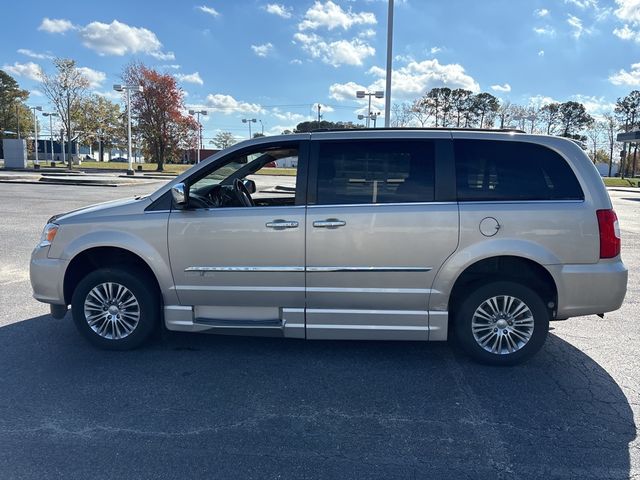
[[250, 185], [180, 194]]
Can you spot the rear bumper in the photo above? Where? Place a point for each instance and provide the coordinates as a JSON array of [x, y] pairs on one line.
[[589, 289], [47, 277]]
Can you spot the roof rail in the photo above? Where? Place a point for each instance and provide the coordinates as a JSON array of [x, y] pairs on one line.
[[455, 129]]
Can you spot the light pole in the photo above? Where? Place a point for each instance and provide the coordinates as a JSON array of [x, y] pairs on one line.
[[362, 94], [50, 115], [261, 127], [129, 89], [36, 163], [249, 121], [198, 113], [18, 120], [387, 101], [374, 116]]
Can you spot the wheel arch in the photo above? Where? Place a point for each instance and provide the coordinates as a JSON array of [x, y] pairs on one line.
[[94, 258], [506, 267]]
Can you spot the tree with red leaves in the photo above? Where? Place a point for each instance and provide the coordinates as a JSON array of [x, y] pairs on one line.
[[164, 128]]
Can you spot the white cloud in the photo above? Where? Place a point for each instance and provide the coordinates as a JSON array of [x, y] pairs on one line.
[[173, 66], [629, 12], [501, 88], [541, 100], [596, 106], [32, 54], [291, 117], [630, 78], [117, 38], [279, 10], [29, 70], [110, 94], [345, 91], [435, 50], [323, 108], [541, 12], [368, 33], [190, 78], [208, 10], [404, 58], [262, 50], [36, 93], [296, 61], [336, 53], [578, 28], [329, 15], [541, 53], [227, 104], [94, 77], [546, 31], [417, 77], [163, 55], [583, 3], [626, 33], [55, 25], [409, 81]]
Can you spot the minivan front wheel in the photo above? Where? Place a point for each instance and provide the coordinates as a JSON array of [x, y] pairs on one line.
[[502, 323], [115, 308]]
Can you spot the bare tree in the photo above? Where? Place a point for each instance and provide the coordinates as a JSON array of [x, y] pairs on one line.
[[611, 126], [401, 115], [421, 111], [505, 113], [65, 90], [595, 132]]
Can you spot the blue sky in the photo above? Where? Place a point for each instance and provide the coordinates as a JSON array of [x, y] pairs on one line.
[[274, 60]]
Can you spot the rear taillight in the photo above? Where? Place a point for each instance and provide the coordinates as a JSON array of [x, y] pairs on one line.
[[609, 233]]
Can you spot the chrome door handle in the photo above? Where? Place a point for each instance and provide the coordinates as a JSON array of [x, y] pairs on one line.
[[282, 224], [329, 223]]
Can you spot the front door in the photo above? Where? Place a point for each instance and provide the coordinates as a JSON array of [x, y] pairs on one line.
[[378, 230], [240, 265]]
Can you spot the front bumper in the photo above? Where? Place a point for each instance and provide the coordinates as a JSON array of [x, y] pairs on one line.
[[589, 289], [47, 277]]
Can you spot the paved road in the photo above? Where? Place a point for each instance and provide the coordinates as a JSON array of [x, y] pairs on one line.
[[192, 406]]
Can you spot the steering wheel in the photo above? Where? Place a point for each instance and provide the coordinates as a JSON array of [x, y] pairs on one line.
[[242, 194]]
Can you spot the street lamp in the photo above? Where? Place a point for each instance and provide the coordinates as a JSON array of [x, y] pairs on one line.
[[198, 113], [261, 127], [128, 89], [249, 121], [35, 132], [50, 115], [387, 101], [362, 94]]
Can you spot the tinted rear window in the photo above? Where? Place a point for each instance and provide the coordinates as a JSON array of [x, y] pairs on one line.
[[352, 172], [502, 170]]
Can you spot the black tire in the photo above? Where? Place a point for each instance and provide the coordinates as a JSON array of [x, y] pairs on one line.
[[475, 298], [147, 312]]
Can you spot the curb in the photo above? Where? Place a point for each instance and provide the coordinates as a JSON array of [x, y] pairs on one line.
[[86, 184]]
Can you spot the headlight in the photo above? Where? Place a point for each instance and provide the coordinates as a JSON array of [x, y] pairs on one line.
[[48, 234]]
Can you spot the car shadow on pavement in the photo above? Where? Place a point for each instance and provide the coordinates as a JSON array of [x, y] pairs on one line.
[[205, 406]]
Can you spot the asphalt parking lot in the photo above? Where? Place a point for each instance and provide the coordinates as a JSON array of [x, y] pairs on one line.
[[190, 406]]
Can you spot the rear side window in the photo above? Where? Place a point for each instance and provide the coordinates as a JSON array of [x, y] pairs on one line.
[[353, 172], [501, 170]]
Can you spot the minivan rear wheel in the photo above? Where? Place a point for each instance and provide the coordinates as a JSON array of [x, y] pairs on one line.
[[502, 323], [115, 309]]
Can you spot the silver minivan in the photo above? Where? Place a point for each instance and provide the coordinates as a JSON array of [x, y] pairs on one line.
[[386, 234]]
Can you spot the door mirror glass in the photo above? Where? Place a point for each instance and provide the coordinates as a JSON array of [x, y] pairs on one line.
[[179, 194], [250, 185]]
